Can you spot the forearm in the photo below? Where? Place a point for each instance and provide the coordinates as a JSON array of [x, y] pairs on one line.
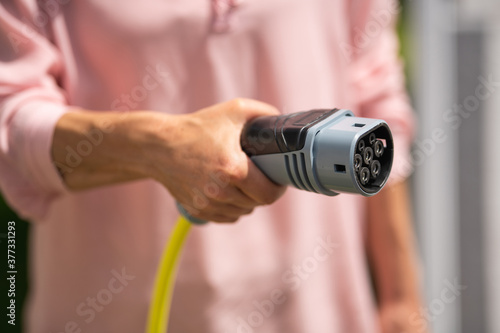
[[392, 254], [92, 149]]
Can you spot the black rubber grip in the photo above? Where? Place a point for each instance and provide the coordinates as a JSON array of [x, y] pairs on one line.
[[280, 134]]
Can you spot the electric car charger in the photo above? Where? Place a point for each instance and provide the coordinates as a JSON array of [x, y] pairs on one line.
[[322, 151]]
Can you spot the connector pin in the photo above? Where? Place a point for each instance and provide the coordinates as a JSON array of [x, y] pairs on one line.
[[358, 162], [368, 155], [378, 148], [375, 168], [364, 175], [372, 138], [361, 145]]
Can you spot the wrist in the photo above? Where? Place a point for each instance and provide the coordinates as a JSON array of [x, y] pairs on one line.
[[144, 135]]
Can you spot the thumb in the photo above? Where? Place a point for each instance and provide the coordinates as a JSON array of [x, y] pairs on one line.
[[247, 109]]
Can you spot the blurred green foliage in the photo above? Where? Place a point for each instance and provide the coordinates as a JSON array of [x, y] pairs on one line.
[[405, 39], [21, 237]]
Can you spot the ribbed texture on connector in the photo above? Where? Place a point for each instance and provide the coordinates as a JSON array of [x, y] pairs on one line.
[[297, 172]]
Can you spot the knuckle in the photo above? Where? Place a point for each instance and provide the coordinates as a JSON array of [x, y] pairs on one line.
[[213, 191], [237, 103], [228, 169], [237, 176], [235, 172]]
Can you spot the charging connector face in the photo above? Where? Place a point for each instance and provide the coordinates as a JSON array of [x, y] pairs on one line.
[[373, 159], [323, 151]]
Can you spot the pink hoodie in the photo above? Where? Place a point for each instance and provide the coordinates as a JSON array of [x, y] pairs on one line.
[[296, 266]]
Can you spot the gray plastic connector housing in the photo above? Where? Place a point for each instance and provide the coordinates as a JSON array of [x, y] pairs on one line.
[[327, 163]]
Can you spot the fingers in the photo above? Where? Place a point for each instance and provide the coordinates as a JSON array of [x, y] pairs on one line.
[[218, 202], [232, 196], [219, 212], [258, 187], [238, 197]]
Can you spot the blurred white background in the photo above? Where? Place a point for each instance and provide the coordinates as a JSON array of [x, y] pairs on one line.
[[453, 54]]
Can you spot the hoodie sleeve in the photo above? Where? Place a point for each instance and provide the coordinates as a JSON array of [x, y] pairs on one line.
[[378, 77], [31, 102]]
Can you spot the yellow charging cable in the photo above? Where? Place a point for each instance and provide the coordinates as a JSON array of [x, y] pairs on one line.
[[159, 309]]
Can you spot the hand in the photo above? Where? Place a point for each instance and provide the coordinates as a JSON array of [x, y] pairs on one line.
[[396, 318], [197, 156], [203, 166]]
